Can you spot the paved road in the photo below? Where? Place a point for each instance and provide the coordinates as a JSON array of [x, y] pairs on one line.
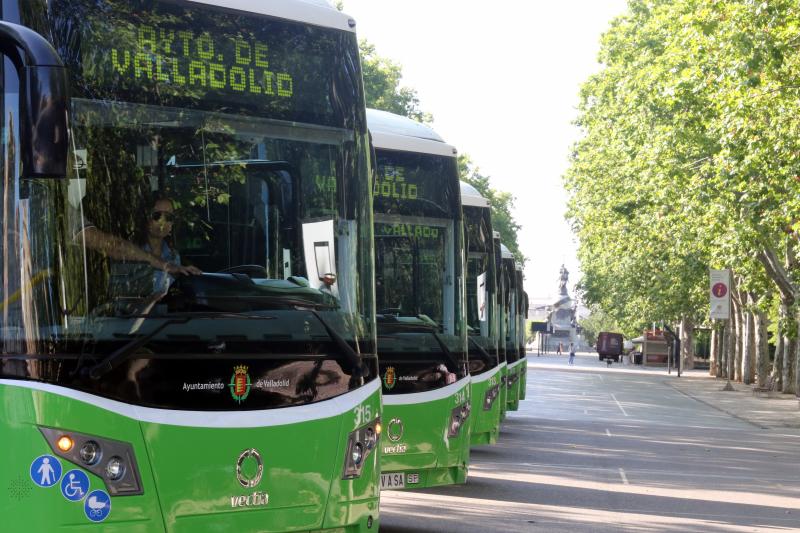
[[605, 451]]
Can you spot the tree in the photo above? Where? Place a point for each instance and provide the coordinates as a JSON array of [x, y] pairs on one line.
[[501, 203], [688, 162], [597, 321], [382, 87]]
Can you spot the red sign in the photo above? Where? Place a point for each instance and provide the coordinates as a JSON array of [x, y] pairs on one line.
[[719, 290]]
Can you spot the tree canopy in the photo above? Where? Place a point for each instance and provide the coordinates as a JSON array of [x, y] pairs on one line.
[[382, 86], [689, 160], [502, 204], [689, 155]]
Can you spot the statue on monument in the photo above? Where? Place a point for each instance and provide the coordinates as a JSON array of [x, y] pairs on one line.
[[562, 283]]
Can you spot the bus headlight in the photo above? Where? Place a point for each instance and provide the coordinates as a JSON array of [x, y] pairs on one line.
[[457, 418], [65, 443], [115, 468], [490, 397], [90, 452], [360, 444], [119, 471], [357, 454]]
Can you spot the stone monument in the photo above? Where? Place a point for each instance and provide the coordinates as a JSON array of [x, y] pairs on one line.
[[562, 318]]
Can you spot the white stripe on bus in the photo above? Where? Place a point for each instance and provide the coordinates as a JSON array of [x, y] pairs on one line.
[[429, 396], [211, 419], [480, 378]]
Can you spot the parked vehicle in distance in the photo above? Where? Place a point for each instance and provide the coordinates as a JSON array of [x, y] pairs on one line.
[[609, 345]]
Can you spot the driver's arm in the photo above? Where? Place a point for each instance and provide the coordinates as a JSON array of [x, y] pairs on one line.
[[118, 248]]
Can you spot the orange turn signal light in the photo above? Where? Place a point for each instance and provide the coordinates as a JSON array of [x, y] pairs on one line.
[[378, 428], [65, 443]]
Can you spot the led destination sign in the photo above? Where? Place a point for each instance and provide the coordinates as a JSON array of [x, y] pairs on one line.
[[186, 58], [416, 231], [391, 183], [198, 57], [414, 184]]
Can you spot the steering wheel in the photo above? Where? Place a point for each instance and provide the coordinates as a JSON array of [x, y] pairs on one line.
[[253, 271]]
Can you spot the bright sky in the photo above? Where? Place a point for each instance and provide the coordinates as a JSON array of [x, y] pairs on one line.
[[501, 79]]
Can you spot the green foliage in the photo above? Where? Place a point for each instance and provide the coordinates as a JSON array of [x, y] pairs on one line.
[[502, 204], [599, 321], [689, 156], [382, 87]]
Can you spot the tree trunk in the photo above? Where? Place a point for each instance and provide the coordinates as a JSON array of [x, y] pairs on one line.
[[730, 346], [724, 343], [712, 356], [687, 344], [778, 270], [789, 354], [741, 320], [761, 345], [748, 341], [797, 369], [777, 362], [791, 385]]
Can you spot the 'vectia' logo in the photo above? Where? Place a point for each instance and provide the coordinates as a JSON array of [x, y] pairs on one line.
[[395, 431], [240, 383], [389, 378]]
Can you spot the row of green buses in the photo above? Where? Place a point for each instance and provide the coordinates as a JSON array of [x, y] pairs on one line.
[[232, 299]]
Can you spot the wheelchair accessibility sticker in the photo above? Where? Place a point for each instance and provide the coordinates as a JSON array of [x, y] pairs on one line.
[[45, 470], [75, 485], [97, 506]]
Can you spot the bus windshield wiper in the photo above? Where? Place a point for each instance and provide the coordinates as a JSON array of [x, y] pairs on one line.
[[445, 350], [349, 353], [117, 357], [426, 325], [483, 353]]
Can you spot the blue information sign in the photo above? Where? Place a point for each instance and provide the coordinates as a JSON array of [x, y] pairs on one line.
[[75, 485], [45, 470], [97, 506]]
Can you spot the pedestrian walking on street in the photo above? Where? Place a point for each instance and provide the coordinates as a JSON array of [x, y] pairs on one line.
[[571, 353], [559, 349]]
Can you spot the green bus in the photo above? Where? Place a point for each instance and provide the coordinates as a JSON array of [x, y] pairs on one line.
[[187, 328], [511, 299], [502, 323], [420, 311], [482, 323], [522, 329]]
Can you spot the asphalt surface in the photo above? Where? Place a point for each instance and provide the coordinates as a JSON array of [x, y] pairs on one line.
[[598, 449]]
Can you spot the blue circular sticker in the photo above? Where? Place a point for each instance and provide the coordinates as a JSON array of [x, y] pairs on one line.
[[75, 485], [97, 506], [45, 470]]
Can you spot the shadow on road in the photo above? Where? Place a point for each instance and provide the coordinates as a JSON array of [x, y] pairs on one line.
[[614, 474]]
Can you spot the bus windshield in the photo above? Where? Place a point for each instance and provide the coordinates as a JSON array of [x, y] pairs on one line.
[[210, 153], [480, 289], [417, 235]]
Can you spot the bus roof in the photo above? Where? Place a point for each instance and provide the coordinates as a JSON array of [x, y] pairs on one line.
[[471, 197], [316, 12], [395, 132]]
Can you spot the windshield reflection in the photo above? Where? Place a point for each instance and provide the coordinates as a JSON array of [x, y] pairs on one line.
[[181, 216]]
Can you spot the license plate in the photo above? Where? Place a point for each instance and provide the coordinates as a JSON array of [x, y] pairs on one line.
[[396, 480]]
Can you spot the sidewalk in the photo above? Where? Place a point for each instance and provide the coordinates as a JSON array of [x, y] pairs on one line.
[[773, 411]]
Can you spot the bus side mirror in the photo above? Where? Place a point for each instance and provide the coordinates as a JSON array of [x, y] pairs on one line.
[[43, 101]]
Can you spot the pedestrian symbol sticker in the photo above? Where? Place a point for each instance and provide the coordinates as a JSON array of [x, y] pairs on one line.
[[45, 470], [97, 506], [75, 485]]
